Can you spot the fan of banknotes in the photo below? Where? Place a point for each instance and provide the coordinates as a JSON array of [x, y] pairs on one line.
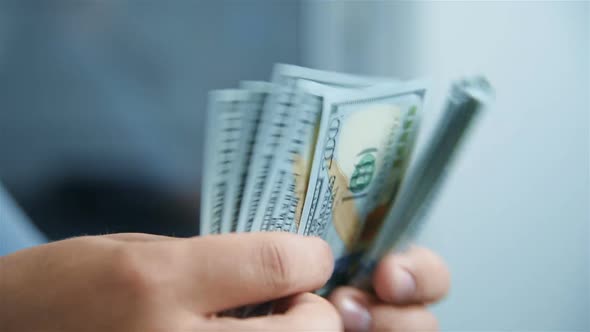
[[331, 155]]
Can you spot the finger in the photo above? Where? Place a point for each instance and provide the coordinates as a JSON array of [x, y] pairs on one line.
[[407, 318], [137, 237], [363, 312], [353, 306], [415, 276], [226, 271], [304, 312]]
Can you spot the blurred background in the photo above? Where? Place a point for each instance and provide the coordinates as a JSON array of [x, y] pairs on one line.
[[102, 109]]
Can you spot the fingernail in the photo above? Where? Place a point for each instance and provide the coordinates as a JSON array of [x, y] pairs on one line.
[[404, 284], [355, 316]]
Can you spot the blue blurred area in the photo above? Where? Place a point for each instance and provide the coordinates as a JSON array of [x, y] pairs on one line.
[[16, 231], [102, 103]]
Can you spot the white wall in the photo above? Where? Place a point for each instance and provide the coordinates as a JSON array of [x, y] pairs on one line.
[[513, 217]]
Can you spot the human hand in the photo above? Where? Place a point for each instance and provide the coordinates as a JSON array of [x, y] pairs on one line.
[[140, 282], [404, 284]]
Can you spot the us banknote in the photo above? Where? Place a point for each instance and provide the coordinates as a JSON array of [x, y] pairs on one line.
[[286, 184], [279, 111], [332, 155], [251, 111], [276, 114], [364, 141], [466, 100], [225, 116]]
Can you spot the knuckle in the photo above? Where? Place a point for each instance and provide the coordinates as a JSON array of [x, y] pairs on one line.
[[434, 278], [276, 268], [444, 285], [435, 260], [430, 322], [331, 316], [444, 277], [130, 272], [316, 314], [398, 319], [420, 320]]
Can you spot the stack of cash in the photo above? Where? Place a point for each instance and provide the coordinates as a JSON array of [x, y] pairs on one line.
[[328, 154]]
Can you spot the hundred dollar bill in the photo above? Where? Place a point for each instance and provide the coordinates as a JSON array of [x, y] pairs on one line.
[[284, 194], [274, 119], [224, 127], [278, 113], [288, 77], [466, 100], [251, 112], [286, 186], [364, 142], [281, 201]]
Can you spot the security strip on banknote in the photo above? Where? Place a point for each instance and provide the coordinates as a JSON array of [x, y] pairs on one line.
[[331, 155]]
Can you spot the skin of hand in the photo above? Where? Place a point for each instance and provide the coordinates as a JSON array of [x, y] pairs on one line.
[[140, 282], [404, 284]]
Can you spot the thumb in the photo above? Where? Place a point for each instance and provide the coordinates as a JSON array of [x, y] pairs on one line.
[[226, 271]]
